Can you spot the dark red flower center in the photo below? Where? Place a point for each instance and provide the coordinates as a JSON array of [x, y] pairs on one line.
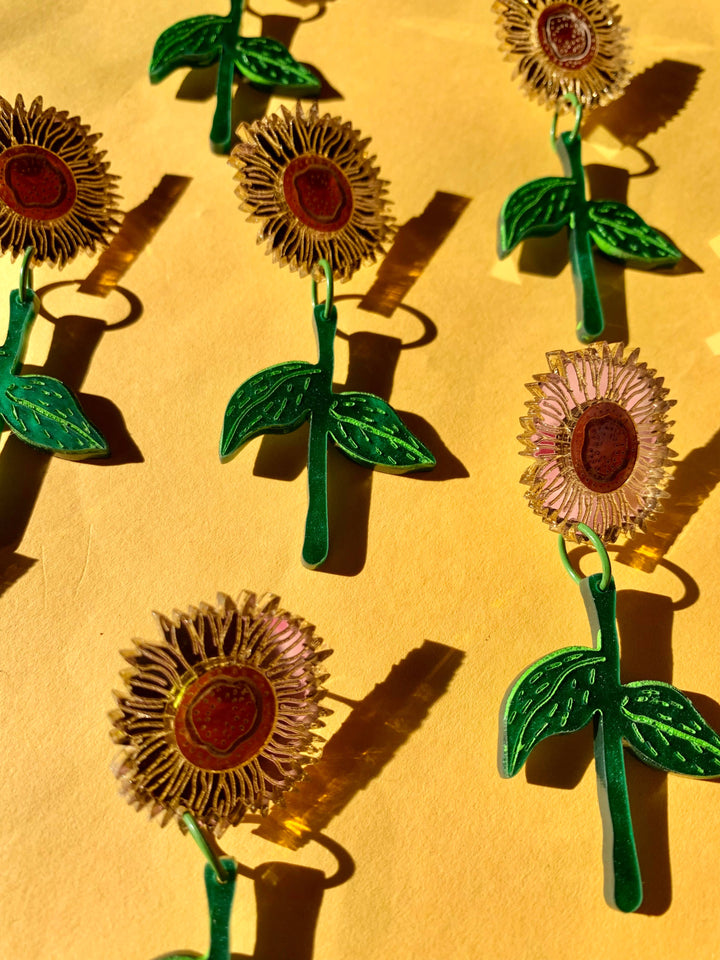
[[318, 192], [567, 36], [603, 446], [225, 717], [35, 182]]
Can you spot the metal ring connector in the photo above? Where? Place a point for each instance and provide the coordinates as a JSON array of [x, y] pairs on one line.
[[26, 277], [209, 854], [599, 546], [573, 101], [329, 284]]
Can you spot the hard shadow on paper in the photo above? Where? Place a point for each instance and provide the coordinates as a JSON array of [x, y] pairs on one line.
[[289, 897], [645, 625], [137, 229], [75, 340], [693, 480], [415, 244], [373, 358], [376, 728], [288, 900], [13, 566], [23, 467], [650, 101]]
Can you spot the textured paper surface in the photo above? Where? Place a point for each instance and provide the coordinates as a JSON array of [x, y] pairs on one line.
[[450, 860]]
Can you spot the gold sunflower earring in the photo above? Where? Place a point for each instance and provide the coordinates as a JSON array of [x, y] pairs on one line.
[[573, 53], [598, 433], [217, 719], [323, 212], [56, 198]]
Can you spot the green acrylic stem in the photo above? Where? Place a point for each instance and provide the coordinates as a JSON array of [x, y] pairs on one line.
[[220, 898], [221, 132], [317, 537], [591, 322], [624, 883], [22, 316]]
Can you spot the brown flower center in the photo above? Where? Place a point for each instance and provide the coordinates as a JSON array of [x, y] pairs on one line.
[[35, 182], [318, 192], [603, 446], [567, 36], [225, 717]]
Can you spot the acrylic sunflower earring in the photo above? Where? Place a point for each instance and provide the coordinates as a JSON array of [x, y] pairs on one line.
[[597, 433], [218, 719], [204, 40], [56, 198], [322, 209], [573, 53]]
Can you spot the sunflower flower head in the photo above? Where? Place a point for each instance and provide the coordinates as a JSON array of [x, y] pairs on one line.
[[55, 190], [308, 181], [219, 717], [570, 47], [597, 433]]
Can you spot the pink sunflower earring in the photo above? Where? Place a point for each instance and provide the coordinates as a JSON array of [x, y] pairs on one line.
[[597, 431]]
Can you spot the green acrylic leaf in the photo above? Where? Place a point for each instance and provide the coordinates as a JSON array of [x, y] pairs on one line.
[[368, 430], [268, 63], [195, 42], [42, 411], [620, 232], [275, 400], [537, 209], [555, 695], [664, 729]]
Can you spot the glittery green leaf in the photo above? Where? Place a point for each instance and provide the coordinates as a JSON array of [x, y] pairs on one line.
[[537, 209], [664, 729], [268, 63], [273, 401], [369, 431], [554, 695], [44, 412], [620, 232], [195, 42]]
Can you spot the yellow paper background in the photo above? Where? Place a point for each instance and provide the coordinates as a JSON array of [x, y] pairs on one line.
[[450, 860]]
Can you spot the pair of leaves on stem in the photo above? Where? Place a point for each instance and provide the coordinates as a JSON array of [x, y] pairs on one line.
[[543, 207], [562, 692], [363, 426], [200, 41]]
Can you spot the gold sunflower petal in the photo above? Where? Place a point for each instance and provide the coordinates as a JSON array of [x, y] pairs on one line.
[[316, 194], [565, 47], [220, 715]]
